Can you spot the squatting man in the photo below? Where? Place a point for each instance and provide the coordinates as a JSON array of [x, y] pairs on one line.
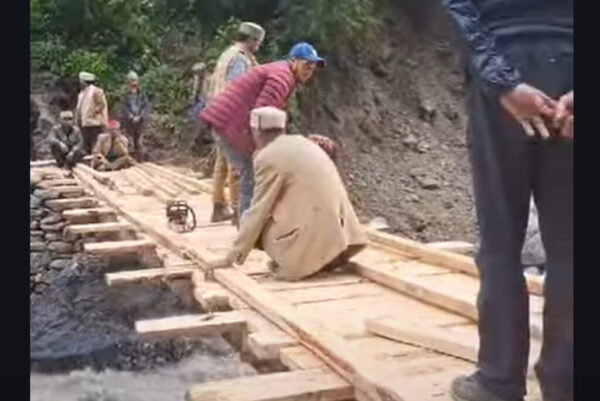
[[300, 213]]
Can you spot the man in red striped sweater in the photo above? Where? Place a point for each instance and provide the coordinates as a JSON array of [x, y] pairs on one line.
[[265, 85]]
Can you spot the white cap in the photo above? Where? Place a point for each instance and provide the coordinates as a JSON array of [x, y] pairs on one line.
[[253, 30], [66, 114], [86, 76], [132, 76], [264, 118]]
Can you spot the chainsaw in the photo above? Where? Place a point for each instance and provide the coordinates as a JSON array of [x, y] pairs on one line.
[[178, 212]]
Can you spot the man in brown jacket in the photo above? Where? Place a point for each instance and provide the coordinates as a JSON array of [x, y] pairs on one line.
[[300, 211], [91, 113]]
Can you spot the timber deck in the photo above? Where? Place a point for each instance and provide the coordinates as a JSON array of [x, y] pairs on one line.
[[399, 324]]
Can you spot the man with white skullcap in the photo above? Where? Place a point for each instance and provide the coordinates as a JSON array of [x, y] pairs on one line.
[[234, 61], [300, 213], [135, 112], [91, 114], [65, 141]]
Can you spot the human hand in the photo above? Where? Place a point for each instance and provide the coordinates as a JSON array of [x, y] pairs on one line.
[[528, 105], [564, 115]]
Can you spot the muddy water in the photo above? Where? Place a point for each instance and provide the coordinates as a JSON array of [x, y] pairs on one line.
[[83, 345]]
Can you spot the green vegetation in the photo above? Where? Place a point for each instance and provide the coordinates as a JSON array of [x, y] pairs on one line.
[[161, 39]]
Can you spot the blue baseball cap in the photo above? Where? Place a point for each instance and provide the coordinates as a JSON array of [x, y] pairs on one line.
[[306, 51]]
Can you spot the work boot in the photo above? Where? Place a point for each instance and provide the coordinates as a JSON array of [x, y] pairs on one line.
[[220, 213], [468, 388]]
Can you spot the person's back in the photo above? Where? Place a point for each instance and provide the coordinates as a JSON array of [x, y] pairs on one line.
[[229, 112], [313, 205]]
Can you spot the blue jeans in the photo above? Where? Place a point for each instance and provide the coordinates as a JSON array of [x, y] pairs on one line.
[[244, 169]]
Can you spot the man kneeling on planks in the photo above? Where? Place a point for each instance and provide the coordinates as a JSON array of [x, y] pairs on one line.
[[300, 213]]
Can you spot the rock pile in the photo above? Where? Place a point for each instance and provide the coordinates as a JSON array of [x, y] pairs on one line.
[[50, 250]]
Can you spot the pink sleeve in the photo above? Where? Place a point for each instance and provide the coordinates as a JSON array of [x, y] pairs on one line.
[[274, 93]]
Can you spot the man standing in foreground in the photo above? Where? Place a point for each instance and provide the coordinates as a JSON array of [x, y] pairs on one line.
[[233, 62], [300, 212], [265, 85], [91, 114], [520, 78]]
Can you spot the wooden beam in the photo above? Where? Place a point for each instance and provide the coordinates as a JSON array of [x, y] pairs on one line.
[[372, 377], [453, 246], [299, 358], [458, 341], [449, 300], [75, 216], [266, 345], [460, 344], [134, 276], [98, 176], [200, 184], [158, 182], [153, 169], [191, 325], [442, 258], [57, 183], [109, 248], [110, 227], [305, 385], [42, 163], [58, 205]]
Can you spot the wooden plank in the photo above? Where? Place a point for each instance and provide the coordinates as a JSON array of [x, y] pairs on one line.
[[110, 227], [109, 248], [368, 375], [141, 185], [266, 345], [200, 184], [159, 182], [459, 344], [61, 182], [442, 258], [58, 205], [327, 281], [133, 276], [191, 325], [312, 295], [42, 163], [98, 176], [301, 385], [84, 215], [459, 341], [299, 358], [453, 246], [152, 168], [412, 286]]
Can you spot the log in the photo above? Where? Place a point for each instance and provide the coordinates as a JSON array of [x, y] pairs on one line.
[[111, 248]]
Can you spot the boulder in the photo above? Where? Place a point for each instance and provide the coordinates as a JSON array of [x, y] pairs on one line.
[[60, 247], [34, 202], [52, 218], [37, 246], [38, 261]]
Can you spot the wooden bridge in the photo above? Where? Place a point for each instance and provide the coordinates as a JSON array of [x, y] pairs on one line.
[[399, 324]]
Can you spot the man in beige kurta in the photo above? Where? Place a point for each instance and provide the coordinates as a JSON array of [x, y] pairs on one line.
[[300, 212], [91, 113]]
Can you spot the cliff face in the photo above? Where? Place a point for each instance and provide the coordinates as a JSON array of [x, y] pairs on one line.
[[397, 109]]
